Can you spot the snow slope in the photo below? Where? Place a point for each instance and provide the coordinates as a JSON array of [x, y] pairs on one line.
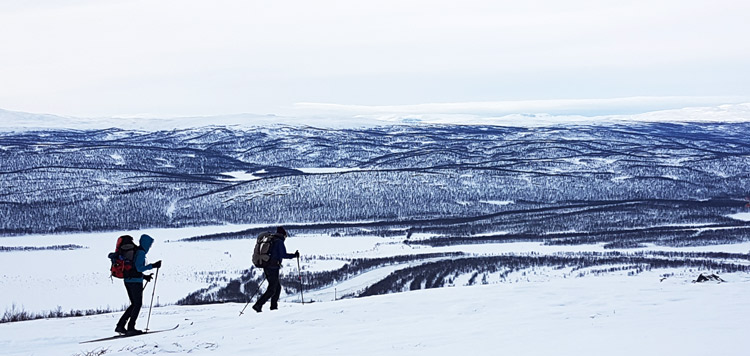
[[80, 278], [610, 315], [549, 313]]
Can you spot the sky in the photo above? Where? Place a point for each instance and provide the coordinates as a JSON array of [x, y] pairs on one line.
[[166, 58]]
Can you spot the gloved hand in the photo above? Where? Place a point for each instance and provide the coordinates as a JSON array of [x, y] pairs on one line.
[[156, 264], [148, 277], [296, 254]]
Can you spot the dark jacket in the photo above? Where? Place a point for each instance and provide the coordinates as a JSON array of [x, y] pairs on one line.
[[139, 261], [278, 253]]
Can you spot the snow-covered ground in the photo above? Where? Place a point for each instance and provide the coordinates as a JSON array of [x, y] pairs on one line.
[[545, 312], [606, 315], [79, 279], [42, 281]]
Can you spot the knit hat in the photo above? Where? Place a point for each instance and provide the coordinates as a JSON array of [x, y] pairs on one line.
[[280, 230]]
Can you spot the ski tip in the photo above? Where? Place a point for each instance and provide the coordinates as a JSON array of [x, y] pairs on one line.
[[175, 327]]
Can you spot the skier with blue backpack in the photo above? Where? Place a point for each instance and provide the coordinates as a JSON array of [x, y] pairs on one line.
[[129, 263]]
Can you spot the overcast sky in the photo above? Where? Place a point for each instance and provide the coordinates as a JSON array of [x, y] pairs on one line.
[[185, 57]]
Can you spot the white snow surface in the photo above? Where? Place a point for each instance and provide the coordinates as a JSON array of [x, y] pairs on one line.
[[613, 315], [189, 266], [542, 312], [240, 176], [70, 272], [740, 216]]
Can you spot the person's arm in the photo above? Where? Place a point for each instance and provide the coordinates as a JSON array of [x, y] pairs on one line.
[[287, 255], [140, 262]]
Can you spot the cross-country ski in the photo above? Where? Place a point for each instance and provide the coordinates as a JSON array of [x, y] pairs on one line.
[[122, 336]]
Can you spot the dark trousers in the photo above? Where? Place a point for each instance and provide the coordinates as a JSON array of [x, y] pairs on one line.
[[135, 294], [274, 288]]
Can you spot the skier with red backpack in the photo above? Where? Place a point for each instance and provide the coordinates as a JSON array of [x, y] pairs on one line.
[[129, 263]]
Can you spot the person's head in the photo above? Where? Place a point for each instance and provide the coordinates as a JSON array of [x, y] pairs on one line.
[[281, 231], [146, 242]]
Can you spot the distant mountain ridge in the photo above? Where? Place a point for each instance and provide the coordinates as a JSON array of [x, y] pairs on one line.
[[356, 117]]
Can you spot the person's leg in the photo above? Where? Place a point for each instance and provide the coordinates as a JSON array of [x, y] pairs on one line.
[[135, 293], [276, 295], [124, 319], [128, 312], [272, 277]]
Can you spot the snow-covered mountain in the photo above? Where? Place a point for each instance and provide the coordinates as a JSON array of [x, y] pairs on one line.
[[515, 114], [391, 178]]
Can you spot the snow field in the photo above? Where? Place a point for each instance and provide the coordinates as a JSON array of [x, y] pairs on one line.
[[607, 315], [41, 281]]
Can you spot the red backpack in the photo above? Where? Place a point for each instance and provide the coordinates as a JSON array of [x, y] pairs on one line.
[[122, 258]]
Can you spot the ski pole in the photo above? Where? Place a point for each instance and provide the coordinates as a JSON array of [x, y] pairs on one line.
[[251, 298], [152, 299], [301, 287]]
